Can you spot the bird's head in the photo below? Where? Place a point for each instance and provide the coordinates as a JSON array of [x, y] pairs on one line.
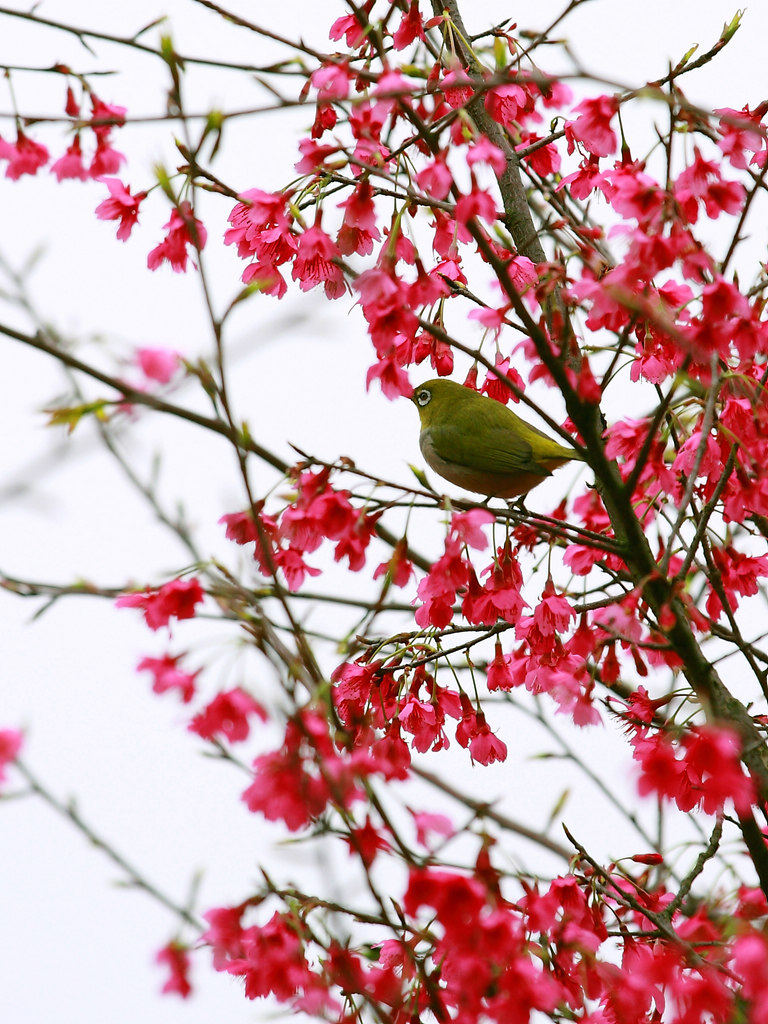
[[436, 398]]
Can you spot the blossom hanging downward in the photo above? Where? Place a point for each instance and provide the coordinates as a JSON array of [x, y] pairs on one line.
[[174, 600], [184, 229]]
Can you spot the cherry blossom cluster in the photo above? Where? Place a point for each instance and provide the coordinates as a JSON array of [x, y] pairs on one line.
[[319, 512], [465, 949], [25, 156]]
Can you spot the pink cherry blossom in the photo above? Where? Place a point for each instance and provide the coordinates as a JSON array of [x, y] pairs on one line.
[[184, 231]]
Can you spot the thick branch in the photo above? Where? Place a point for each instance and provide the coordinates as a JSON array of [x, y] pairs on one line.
[[516, 208]]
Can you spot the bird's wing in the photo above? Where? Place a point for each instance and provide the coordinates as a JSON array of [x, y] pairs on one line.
[[499, 451]]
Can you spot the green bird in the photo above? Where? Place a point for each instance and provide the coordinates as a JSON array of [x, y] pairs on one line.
[[482, 446]]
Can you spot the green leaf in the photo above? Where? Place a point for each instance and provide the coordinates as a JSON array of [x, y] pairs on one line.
[[732, 27], [559, 805], [421, 477], [70, 417], [686, 56]]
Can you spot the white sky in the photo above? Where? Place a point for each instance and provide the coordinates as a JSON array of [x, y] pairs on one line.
[[74, 946]]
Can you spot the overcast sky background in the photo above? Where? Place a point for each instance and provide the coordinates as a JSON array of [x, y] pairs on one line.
[[74, 945]]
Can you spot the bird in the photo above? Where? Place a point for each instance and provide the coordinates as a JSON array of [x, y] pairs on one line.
[[482, 446]]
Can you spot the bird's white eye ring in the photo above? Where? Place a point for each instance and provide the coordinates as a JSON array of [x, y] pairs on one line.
[[423, 397]]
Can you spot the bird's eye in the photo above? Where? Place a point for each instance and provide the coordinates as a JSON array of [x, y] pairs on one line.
[[423, 396]]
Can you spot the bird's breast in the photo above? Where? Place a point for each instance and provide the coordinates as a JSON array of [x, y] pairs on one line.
[[480, 481]]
